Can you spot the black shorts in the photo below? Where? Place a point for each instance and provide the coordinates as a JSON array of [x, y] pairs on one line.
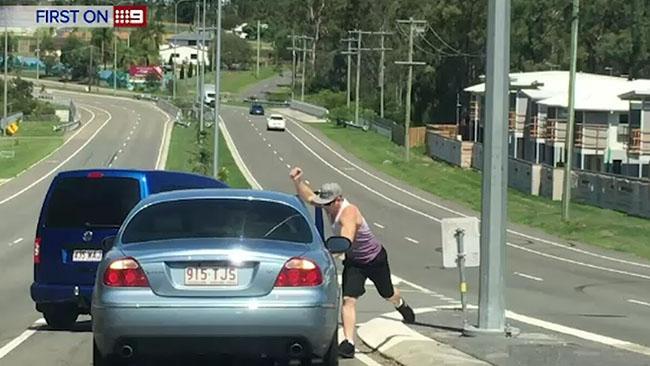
[[378, 271]]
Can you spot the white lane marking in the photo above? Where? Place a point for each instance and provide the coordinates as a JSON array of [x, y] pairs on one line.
[[128, 138], [16, 242], [613, 342], [55, 150], [378, 225], [237, 157], [539, 279], [433, 218], [110, 165], [119, 152], [264, 139], [281, 158], [592, 266], [422, 199], [638, 302], [269, 145], [34, 183], [288, 166], [412, 240], [275, 152], [20, 339], [124, 144], [163, 150]]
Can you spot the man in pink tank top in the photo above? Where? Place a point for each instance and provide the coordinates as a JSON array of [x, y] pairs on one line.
[[366, 259]]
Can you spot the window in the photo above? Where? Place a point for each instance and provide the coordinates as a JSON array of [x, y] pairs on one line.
[[100, 202], [616, 166], [277, 118], [218, 218], [623, 118], [635, 118], [193, 56], [191, 43]]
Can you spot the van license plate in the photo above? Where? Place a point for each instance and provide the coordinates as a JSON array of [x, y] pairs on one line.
[[87, 255]]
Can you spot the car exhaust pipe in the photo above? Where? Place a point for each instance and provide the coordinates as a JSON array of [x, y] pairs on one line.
[[296, 349], [126, 351]]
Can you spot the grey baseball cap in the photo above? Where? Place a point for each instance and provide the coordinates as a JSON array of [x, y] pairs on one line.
[[327, 193]]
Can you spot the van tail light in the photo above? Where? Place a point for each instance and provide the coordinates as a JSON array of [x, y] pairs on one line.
[[37, 250], [299, 272], [125, 272]]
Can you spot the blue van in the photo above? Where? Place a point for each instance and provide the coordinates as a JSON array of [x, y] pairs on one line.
[[80, 210]]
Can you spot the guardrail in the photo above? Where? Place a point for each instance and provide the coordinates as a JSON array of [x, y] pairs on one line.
[[314, 110]]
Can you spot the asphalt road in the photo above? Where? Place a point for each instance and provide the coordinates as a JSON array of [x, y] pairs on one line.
[[579, 287], [118, 133]]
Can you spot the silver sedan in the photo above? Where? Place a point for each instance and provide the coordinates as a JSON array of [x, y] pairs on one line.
[[213, 272]]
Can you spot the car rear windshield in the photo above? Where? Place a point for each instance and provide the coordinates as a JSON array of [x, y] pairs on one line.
[[277, 118], [218, 218], [88, 202]]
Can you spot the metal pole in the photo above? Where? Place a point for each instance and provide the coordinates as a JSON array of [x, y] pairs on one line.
[[257, 70], [198, 58], [38, 57], [568, 143], [348, 92], [90, 71], [304, 62], [217, 93], [491, 317], [202, 73], [293, 65], [407, 113], [5, 61], [114, 63], [460, 234], [358, 82], [381, 77]]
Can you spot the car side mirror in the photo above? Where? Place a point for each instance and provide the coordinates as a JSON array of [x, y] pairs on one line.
[[108, 242], [338, 244]]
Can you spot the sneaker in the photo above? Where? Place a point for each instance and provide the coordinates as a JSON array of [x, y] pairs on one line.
[[407, 313], [346, 349]]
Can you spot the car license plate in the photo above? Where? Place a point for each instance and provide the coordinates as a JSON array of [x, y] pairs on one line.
[[211, 276], [87, 255]]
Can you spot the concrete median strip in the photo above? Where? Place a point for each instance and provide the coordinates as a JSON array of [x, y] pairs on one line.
[[396, 341]]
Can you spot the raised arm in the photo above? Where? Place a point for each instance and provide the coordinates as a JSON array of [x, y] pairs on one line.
[[302, 188]]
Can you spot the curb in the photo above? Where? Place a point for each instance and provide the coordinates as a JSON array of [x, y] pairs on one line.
[[396, 341]]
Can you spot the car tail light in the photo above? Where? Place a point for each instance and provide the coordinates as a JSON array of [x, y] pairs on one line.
[[125, 272], [37, 250], [95, 175], [299, 272]]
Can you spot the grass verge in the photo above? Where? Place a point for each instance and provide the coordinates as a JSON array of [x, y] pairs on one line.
[[185, 154], [590, 225], [33, 141]]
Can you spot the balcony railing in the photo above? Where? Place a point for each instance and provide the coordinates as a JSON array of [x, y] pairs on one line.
[[516, 121], [586, 136], [639, 142], [555, 130], [538, 128]]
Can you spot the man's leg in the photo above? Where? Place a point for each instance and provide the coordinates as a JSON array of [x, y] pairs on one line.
[[379, 274], [354, 280], [349, 317]]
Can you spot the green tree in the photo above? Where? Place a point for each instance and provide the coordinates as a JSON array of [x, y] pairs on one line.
[[235, 51], [103, 39]]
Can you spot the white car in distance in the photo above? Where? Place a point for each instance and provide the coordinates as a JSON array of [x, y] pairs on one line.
[[276, 122]]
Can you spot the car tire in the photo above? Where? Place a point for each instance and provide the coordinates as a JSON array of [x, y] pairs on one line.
[[331, 358], [61, 317]]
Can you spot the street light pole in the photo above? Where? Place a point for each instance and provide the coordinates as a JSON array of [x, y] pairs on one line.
[[174, 80], [217, 93], [202, 71], [114, 63], [5, 61]]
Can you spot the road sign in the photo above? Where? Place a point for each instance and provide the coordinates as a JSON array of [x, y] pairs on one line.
[[471, 236]]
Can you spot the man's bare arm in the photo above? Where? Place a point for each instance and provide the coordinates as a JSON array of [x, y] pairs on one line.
[[349, 222], [302, 188]]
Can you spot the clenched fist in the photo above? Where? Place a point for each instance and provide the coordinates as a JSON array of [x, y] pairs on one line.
[[296, 174]]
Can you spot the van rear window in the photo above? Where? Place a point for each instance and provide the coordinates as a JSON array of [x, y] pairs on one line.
[[84, 202]]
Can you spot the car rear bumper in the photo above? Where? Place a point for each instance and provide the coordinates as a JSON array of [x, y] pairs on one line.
[[176, 330], [46, 294], [276, 126]]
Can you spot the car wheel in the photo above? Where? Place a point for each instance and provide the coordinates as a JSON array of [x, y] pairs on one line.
[[61, 317], [331, 358]]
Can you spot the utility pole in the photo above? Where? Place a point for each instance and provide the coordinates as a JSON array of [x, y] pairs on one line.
[[491, 312], [115, 64], [293, 64], [257, 70], [198, 56], [90, 70], [304, 63], [382, 67], [349, 53], [217, 94], [568, 142], [202, 74], [358, 50], [5, 62], [38, 57], [410, 63]]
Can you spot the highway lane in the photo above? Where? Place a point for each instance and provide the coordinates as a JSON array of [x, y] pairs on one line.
[[130, 139], [545, 280]]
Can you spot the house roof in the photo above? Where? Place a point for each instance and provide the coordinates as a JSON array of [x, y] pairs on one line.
[[593, 92]]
